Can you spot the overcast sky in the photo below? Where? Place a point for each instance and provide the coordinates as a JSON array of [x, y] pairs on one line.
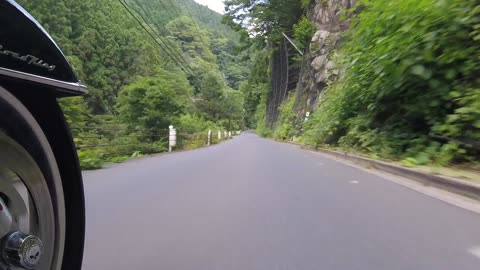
[[216, 5]]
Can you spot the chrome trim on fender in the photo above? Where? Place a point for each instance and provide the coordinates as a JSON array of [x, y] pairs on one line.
[[69, 86]]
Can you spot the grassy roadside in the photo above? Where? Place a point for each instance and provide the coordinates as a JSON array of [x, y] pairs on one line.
[[469, 172], [97, 158]]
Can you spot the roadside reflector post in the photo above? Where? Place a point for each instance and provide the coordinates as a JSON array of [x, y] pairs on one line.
[[209, 139], [219, 136], [172, 138]]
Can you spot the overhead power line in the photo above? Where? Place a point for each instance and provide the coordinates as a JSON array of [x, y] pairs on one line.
[[165, 8], [195, 22], [154, 38], [177, 54], [174, 52]]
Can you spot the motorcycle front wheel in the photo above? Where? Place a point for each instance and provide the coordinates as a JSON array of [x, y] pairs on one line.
[[32, 210]]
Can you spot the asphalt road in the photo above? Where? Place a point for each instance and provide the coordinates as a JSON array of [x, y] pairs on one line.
[[255, 204]]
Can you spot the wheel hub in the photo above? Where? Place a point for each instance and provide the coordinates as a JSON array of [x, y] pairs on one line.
[[22, 250], [24, 213], [18, 249], [32, 191]]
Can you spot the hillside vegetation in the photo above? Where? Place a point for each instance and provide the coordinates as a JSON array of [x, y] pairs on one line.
[[409, 77], [411, 88], [139, 85]]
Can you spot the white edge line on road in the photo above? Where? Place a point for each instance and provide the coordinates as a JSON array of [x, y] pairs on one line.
[[440, 194], [475, 251]]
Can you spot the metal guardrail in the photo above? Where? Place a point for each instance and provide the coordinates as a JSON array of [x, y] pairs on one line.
[[114, 129], [157, 134], [130, 133], [125, 136], [104, 145]]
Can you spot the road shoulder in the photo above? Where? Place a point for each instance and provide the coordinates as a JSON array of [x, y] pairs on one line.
[[461, 193]]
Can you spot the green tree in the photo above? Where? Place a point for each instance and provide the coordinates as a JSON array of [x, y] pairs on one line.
[[233, 109], [154, 102], [411, 83], [303, 32], [266, 19]]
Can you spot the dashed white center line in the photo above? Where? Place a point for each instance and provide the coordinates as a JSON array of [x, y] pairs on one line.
[[475, 251], [354, 182]]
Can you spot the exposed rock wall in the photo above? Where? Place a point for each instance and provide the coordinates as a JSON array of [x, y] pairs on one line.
[[318, 67]]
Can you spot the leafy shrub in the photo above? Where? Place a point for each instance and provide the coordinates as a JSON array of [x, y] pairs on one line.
[[303, 32], [327, 124], [75, 110], [433, 152], [90, 159], [119, 159], [154, 102], [192, 141], [191, 123], [411, 75], [285, 128], [113, 142], [260, 116]]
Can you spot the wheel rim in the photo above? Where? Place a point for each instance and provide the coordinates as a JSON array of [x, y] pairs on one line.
[[27, 196]]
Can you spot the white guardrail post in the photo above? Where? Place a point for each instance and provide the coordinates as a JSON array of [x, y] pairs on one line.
[[219, 136], [172, 138], [209, 140]]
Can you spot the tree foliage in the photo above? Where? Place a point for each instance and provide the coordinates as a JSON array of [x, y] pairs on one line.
[[265, 22], [303, 32], [266, 19], [411, 88], [136, 83], [105, 48], [256, 88], [154, 102], [285, 128]]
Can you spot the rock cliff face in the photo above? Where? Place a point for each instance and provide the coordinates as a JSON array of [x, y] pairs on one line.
[[318, 67]]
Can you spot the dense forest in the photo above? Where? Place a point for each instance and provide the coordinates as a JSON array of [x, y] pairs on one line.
[[147, 65], [390, 80], [394, 80]]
